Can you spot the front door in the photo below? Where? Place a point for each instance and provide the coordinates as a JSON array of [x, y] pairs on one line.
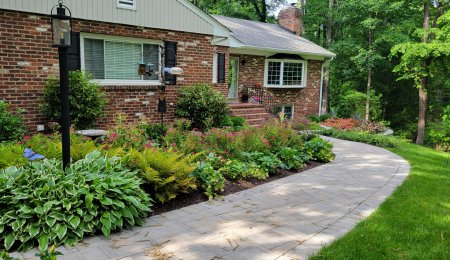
[[233, 78]]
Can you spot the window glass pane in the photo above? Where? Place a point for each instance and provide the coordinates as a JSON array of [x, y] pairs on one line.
[[292, 74], [274, 73], [93, 58], [122, 60], [288, 112], [151, 55]]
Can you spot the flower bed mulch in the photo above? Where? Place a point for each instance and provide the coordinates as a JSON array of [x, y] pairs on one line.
[[231, 187]]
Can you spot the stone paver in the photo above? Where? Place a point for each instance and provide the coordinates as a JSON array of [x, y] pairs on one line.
[[290, 218]]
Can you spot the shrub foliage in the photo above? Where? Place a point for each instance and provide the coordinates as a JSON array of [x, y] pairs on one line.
[[204, 106], [12, 127], [87, 101]]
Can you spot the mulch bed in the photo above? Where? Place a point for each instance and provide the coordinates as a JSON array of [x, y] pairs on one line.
[[231, 187]]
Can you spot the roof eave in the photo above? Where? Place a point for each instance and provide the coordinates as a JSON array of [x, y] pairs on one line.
[[258, 48]]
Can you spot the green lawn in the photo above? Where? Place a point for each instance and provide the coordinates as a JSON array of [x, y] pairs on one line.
[[414, 223]]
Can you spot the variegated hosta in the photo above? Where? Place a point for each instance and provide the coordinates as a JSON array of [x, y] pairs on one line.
[[42, 204]]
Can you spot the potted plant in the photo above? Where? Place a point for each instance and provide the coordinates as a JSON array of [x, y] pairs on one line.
[[244, 94]]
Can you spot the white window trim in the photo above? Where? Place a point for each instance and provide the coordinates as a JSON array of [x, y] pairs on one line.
[[292, 109], [266, 73], [115, 82], [126, 6], [215, 67]]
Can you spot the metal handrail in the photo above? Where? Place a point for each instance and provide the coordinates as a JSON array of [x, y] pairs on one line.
[[259, 95]]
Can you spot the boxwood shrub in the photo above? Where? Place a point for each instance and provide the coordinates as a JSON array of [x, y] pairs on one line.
[[42, 204]]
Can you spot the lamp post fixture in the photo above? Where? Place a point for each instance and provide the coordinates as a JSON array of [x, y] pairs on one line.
[[61, 30]]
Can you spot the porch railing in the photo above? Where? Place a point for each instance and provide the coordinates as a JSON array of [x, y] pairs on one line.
[[260, 95]]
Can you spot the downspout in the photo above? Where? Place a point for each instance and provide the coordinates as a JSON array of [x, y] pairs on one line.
[[321, 83]]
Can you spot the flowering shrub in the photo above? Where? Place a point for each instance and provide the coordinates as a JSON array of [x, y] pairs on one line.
[[125, 136], [341, 123], [357, 125]]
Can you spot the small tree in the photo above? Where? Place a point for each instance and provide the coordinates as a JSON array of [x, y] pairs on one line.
[[204, 106], [87, 101]]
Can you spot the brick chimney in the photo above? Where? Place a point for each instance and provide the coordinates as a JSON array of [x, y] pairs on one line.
[[290, 19]]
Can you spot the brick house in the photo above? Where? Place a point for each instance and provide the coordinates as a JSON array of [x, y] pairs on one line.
[[110, 37]]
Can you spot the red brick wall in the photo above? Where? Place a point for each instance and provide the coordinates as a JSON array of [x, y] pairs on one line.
[[305, 100], [27, 60]]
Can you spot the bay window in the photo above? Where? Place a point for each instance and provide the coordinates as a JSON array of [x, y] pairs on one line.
[[285, 73]]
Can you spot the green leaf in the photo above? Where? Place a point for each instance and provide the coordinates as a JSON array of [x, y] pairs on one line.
[[106, 231], [89, 199], [75, 221], [34, 230], [66, 204], [127, 213], [106, 201], [61, 231], [118, 203], [9, 241], [43, 242], [106, 220], [50, 221]]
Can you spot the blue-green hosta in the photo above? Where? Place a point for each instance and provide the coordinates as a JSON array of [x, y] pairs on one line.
[[42, 205]]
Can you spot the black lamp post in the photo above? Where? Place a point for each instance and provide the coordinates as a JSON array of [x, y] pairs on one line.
[[61, 29]]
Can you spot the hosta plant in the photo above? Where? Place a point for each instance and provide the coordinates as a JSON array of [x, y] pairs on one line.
[[292, 159], [238, 170], [319, 149], [42, 204]]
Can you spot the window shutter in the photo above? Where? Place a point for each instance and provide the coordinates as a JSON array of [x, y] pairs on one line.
[[74, 52], [170, 61], [221, 68]]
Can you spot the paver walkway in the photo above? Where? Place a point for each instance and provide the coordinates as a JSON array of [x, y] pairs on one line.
[[289, 218]]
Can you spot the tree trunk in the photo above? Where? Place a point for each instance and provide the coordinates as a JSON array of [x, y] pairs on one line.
[[326, 73], [423, 104], [423, 96], [329, 23], [369, 86]]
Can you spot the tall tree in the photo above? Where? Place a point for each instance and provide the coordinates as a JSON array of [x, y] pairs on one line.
[[259, 10], [417, 58]]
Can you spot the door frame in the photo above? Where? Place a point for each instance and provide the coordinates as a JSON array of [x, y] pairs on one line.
[[235, 59]]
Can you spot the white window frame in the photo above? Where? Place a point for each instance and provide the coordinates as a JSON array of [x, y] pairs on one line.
[[266, 73], [130, 6], [215, 67], [292, 109], [117, 82]]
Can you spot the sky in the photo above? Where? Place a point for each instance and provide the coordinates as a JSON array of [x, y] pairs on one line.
[[288, 3]]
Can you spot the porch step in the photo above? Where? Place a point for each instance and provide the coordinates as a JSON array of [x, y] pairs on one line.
[[254, 114]]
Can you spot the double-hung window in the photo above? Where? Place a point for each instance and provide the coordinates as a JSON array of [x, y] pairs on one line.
[[285, 73], [115, 60]]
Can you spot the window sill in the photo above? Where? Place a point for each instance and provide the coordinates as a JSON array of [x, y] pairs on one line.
[[127, 83], [277, 86]]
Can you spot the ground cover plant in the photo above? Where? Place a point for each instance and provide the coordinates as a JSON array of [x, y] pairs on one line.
[[373, 139], [42, 204], [411, 224]]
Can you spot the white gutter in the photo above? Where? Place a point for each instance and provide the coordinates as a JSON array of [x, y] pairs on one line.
[[249, 47], [321, 84]]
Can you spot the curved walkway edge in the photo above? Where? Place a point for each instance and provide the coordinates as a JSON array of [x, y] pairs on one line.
[[289, 218]]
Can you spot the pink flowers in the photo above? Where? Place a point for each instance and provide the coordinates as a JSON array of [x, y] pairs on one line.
[[148, 145], [174, 145]]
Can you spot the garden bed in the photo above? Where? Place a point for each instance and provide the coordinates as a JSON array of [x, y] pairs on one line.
[[231, 187]]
